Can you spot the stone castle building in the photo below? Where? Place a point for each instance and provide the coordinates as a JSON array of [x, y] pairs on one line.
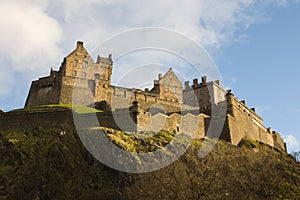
[[169, 105]]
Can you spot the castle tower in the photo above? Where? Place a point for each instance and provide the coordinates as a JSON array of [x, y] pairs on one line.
[[78, 70]]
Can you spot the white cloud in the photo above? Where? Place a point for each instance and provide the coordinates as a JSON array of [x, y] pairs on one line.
[[210, 22], [29, 46], [29, 37], [292, 143], [34, 33]]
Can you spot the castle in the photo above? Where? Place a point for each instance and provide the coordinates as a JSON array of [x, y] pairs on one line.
[[196, 109]]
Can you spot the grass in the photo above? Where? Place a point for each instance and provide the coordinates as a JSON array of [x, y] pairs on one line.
[[134, 142], [249, 143], [77, 108], [43, 164]]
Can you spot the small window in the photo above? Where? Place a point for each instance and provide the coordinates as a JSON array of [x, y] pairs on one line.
[[83, 75], [84, 64], [74, 73], [75, 63], [168, 88], [124, 93], [97, 76], [175, 88]]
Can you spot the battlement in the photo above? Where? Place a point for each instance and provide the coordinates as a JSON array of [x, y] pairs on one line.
[[168, 105], [234, 105]]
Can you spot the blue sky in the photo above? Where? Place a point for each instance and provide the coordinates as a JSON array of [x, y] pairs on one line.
[[254, 43], [264, 69]]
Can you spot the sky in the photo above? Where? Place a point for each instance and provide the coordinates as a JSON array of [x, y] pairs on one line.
[[255, 45]]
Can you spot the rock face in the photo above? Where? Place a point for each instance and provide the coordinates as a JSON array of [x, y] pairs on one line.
[[45, 164]]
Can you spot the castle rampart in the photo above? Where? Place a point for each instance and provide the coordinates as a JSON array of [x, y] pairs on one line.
[[167, 106]]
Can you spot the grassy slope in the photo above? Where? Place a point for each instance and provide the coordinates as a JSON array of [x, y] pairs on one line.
[[77, 108], [46, 164]]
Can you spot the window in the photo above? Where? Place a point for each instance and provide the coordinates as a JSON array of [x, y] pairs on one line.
[[97, 76], [74, 73], [75, 63], [125, 94], [84, 64], [83, 75], [168, 87], [175, 88]]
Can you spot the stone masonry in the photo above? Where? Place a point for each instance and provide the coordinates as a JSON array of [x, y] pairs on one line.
[[167, 106]]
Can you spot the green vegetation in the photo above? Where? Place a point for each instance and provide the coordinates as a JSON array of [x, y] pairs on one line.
[[46, 164], [139, 142], [77, 108], [249, 143]]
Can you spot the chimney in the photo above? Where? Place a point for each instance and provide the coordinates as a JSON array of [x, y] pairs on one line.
[[229, 93], [79, 44], [195, 82], [159, 76], [204, 79], [98, 59]]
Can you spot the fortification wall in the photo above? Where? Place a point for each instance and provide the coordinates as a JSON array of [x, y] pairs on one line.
[[44, 91], [120, 97], [92, 120], [203, 95], [29, 120], [278, 141], [245, 123], [193, 125], [147, 101], [60, 118]]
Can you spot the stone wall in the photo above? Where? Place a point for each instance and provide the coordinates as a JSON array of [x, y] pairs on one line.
[[46, 119], [80, 64], [245, 123], [170, 87], [59, 118], [91, 80], [44, 91], [193, 125], [165, 107], [278, 141]]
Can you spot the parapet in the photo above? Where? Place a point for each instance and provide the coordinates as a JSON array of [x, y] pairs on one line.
[[196, 83]]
